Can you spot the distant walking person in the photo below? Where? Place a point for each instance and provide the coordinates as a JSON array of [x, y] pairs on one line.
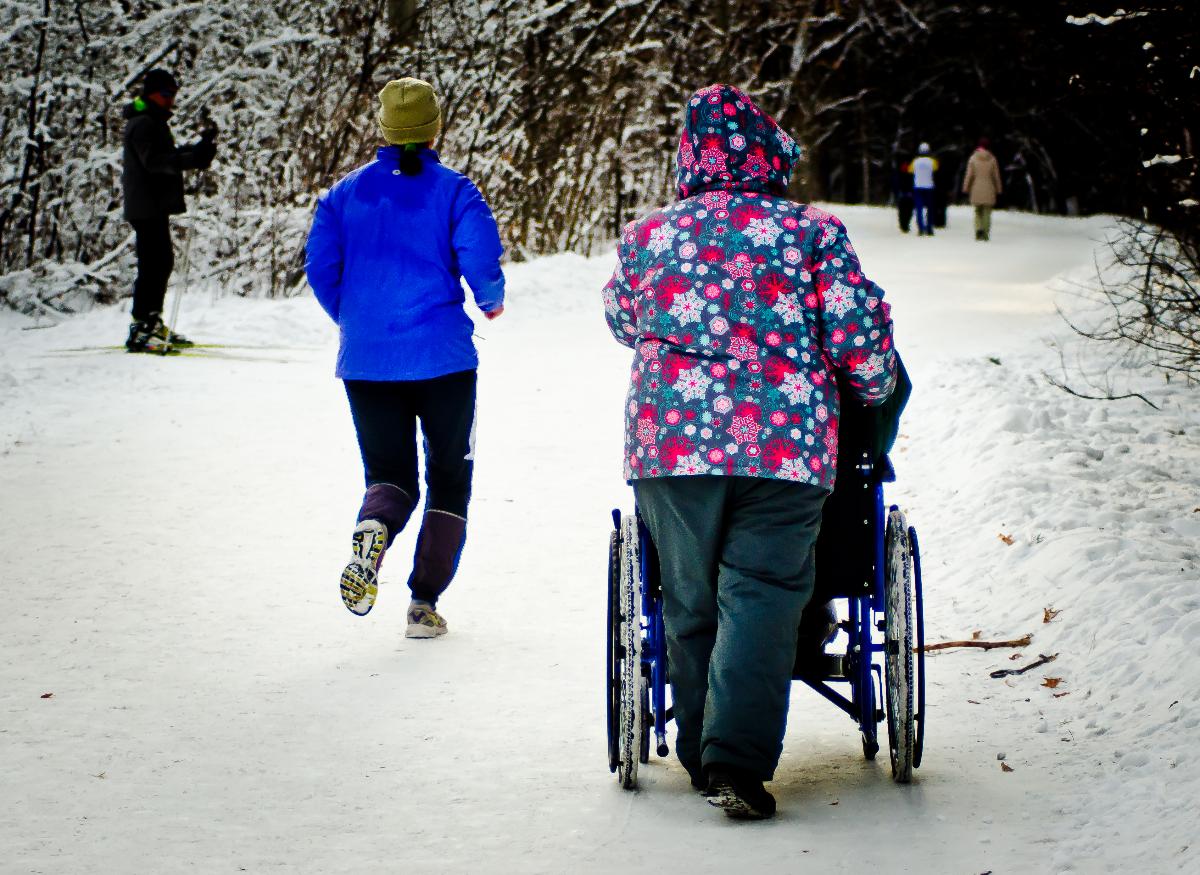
[[902, 192], [388, 248], [982, 184], [152, 184], [924, 166]]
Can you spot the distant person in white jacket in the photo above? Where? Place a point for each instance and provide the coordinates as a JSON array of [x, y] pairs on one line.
[[923, 168], [982, 184]]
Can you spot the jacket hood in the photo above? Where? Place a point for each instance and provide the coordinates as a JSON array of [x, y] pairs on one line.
[[729, 143]]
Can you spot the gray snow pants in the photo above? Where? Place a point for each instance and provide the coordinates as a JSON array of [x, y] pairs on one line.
[[736, 556]]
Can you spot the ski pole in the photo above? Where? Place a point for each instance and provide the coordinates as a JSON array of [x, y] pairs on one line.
[[181, 286]]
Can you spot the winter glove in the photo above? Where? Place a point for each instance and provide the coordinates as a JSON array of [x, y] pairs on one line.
[[203, 153], [210, 132]]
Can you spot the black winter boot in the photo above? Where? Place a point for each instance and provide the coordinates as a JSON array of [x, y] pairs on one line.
[[141, 334], [162, 333], [738, 793]]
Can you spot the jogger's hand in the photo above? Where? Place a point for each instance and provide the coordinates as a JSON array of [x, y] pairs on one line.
[[492, 314]]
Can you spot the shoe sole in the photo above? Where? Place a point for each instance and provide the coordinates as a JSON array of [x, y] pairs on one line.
[[360, 583], [733, 805], [359, 588]]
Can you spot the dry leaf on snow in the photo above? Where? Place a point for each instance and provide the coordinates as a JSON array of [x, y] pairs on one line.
[[1049, 614], [1007, 539], [1005, 767], [1051, 682]]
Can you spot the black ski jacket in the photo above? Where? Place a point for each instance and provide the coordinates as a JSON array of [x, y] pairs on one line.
[[152, 178]]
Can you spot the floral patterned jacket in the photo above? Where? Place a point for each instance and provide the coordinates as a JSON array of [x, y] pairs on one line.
[[740, 305]]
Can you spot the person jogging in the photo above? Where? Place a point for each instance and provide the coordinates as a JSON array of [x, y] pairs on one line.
[[741, 307], [389, 245], [152, 187]]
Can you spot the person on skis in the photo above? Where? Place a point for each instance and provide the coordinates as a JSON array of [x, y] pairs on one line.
[[742, 307], [152, 186], [389, 245]]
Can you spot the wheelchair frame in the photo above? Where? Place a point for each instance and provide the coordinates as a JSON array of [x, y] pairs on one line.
[[885, 674]]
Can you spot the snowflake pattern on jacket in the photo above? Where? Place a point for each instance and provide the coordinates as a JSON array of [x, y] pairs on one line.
[[740, 306]]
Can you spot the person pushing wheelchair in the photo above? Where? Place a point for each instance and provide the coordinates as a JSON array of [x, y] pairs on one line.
[[743, 308]]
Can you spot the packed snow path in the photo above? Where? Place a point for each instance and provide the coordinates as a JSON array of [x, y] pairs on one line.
[[182, 690]]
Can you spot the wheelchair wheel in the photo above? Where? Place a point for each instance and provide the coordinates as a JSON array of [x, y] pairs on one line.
[[612, 680], [631, 684], [919, 746], [898, 646]]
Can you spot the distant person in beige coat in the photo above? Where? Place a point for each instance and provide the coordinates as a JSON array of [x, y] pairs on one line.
[[982, 183]]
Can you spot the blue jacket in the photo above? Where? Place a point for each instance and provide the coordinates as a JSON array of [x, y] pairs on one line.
[[384, 258]]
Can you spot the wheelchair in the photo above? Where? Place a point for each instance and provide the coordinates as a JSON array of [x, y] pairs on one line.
[[868, 566]]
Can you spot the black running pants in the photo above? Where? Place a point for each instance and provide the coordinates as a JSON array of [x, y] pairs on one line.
[[386, 416]]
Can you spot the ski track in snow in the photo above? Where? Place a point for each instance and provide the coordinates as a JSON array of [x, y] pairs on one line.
[[173, 531]]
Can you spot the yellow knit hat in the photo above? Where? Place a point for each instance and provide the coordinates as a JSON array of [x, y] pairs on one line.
[[409, 112]]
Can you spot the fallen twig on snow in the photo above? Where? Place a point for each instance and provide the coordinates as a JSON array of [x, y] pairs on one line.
[[984, 645], [1005, 672], [1057, 385]]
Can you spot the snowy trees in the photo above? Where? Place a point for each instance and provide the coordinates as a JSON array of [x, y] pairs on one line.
[[1152, 298], [567, 111], [1142, 58], [60, 133]]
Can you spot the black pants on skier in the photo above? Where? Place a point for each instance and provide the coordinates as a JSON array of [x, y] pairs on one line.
[[386, 415], [155, 261]]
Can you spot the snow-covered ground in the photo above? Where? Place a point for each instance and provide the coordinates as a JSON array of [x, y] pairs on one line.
[[171, 533]]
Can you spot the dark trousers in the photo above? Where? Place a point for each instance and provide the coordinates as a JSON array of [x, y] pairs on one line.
[[922, 202], [155, 261], [904, 208], [983, 221], [385, 417], [737, 559]]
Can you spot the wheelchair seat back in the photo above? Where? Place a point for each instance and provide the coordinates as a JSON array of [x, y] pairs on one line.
[[846, 547]]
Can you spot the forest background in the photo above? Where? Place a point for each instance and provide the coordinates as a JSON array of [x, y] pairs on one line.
[[567, 113]]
